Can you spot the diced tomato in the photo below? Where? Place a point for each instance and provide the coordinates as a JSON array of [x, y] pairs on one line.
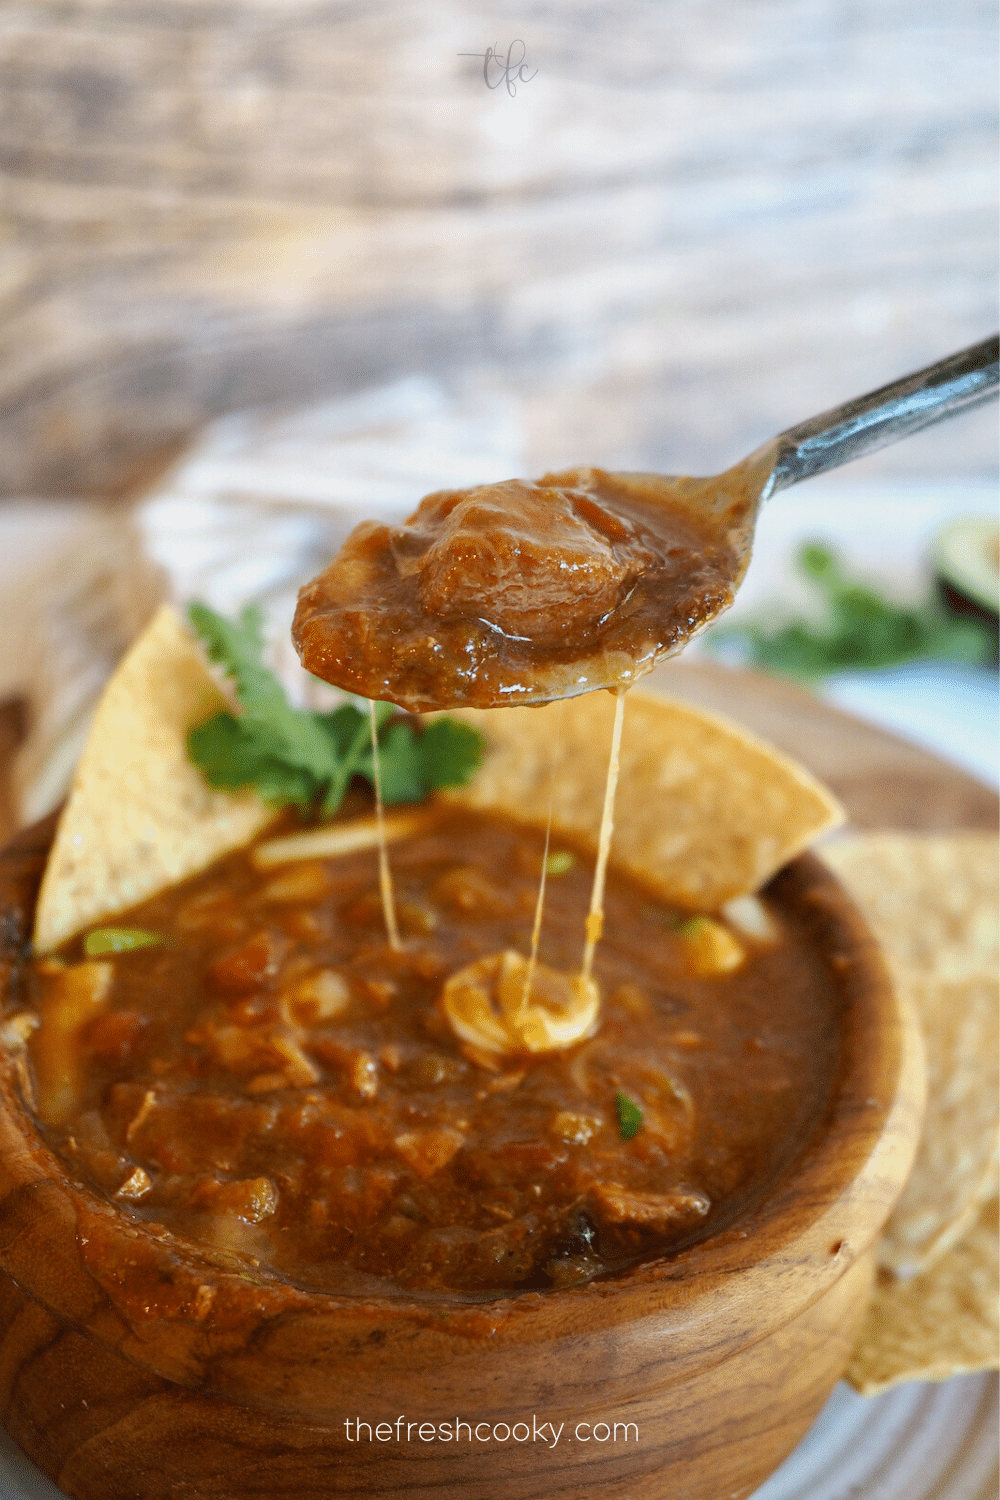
[[115, 1037], [249, 966]]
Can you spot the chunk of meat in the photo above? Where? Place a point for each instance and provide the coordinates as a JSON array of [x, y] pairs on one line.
[[506, 1255], [250, 1199], [427, 1151], [518, 556], [114, 1037], [621, 1205], [248, 967], [573, 1127], [305, 881], [518, 592]]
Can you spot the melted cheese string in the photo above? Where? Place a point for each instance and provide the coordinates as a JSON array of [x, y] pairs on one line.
[[384, 873], [536, 932], [504, 1003], [595, 916]]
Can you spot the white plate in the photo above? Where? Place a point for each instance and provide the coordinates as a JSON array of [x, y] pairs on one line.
[[918, 1442]]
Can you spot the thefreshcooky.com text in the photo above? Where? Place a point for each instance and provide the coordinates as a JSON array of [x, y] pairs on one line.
[[549, 1434]]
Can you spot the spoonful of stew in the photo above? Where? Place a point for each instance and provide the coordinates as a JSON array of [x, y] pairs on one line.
[[525, 592]]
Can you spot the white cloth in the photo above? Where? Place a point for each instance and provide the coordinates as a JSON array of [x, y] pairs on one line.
[[258, 505]]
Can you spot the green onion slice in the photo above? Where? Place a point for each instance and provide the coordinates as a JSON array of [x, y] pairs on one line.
[[629, 1115], [118, 940]]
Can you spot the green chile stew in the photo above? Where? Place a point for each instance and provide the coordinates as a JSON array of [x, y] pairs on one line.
[[273, 1082]]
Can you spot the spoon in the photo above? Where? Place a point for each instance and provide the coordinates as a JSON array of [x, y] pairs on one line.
[[955, 384], [519, 593], [952, 385], [851, 430]]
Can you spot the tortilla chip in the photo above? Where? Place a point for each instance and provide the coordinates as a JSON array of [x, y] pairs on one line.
[[956, 1167], [931, 899], [705, 811], [932, 902], [936, 1325], [139, 815]]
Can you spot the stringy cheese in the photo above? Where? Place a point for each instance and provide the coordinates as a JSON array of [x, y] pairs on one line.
[[505, 1003], [484, 1003], [338, 839], [384, 872], [595, 917]]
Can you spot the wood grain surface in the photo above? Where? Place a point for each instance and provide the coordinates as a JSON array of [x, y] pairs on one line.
[[694, 226], [13, 725]]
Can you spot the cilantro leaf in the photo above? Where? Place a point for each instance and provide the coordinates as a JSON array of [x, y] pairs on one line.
[[290, 755], [290, 734], [231, 755], [629, 1115], [401, 765], [451, 752], [858, 629]]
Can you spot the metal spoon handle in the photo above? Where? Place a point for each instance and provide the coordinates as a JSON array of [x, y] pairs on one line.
[[870, 422]]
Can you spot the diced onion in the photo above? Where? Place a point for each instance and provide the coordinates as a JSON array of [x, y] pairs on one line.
[[751, 917], [337, 839]]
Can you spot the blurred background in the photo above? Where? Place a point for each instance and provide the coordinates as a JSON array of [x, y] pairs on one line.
[[694, 225], [273, 264]]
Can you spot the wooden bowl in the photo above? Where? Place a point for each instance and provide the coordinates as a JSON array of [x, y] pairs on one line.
[[222, 1387]]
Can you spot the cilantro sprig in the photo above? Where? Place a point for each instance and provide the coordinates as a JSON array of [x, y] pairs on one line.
[[294, 756], [859, 629]]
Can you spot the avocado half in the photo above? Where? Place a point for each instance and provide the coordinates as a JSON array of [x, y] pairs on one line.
[[966, 558]]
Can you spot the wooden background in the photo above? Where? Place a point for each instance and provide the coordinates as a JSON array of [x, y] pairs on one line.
[[696, 224]]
